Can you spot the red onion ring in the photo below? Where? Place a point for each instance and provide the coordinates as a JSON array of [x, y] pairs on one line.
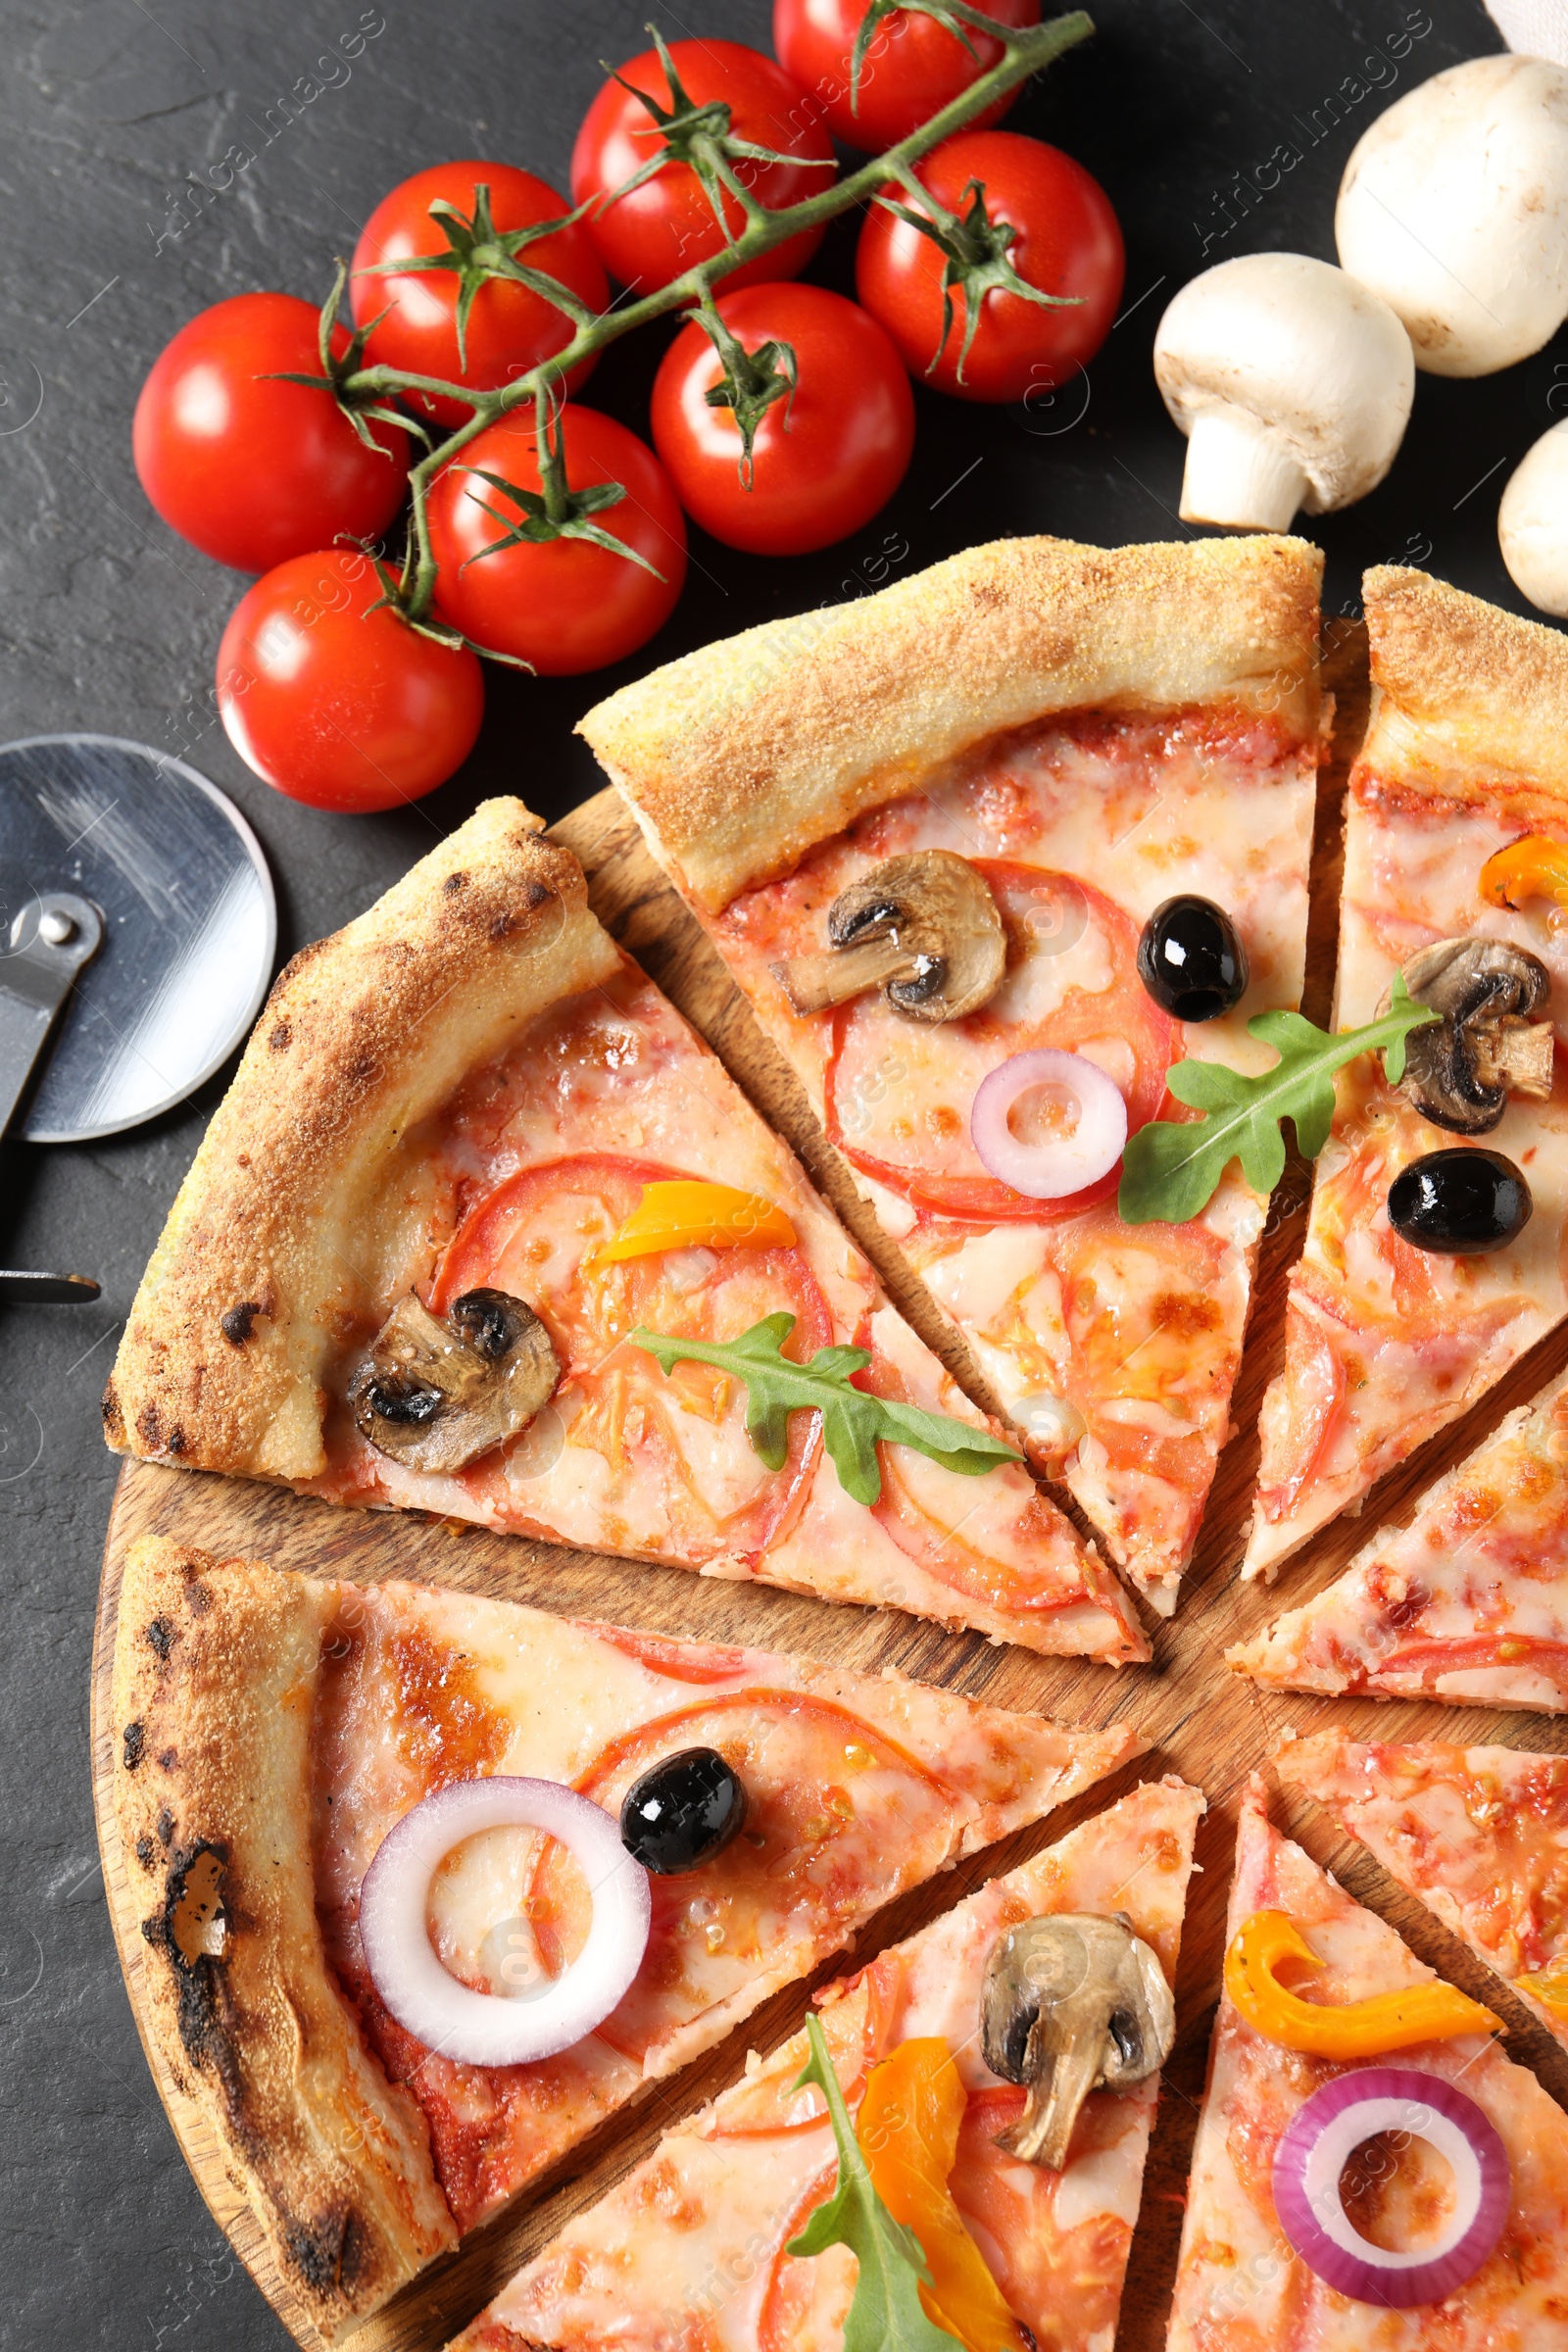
[[1049, 1171], [1313, 2151], [484, 2028]]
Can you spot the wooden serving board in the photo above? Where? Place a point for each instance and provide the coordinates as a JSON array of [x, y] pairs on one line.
[[1204, 1722]]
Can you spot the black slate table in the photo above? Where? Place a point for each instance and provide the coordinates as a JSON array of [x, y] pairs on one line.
[[120, 216]]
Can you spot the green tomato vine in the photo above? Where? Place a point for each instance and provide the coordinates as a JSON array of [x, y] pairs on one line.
[[700, 137]]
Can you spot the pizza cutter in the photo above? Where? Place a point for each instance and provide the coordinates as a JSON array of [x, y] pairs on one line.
[[137, 928]]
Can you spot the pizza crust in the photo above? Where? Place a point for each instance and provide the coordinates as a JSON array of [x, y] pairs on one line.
[[276, 1243], [1466, 697], [213, 1683], [737, 759]]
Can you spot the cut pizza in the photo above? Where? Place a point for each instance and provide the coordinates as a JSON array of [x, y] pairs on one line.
[[493, 1871], [987, 853], [1470, 1602], [1480, 1834], [483, 1228], [1371, 2173], [1434, 1251], [968, 2058]]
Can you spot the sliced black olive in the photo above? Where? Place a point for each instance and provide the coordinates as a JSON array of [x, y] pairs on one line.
[[1462, 1202], [1191, 960], [682, 1812]]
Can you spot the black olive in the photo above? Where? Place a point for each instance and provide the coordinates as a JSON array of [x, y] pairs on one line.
[[682, 1812], [1462, 1202], [1191, 960]]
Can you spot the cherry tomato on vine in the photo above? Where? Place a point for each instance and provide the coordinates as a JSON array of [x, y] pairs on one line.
[[824, 458], [913, 66], [509, 328], [667, 226], [248, 468], [1066, 241], [563, 604], [338, 705]]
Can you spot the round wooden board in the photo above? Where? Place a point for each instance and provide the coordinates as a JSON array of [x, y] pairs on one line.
[[1203, 1721]]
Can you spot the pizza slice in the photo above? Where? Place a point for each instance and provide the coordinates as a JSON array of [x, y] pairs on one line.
[[1470, 1602], [693, 2246], [1480, 1834], [1406, 2192], [482, 1228], [1042, 801], [1455, 818], [273, 1732]]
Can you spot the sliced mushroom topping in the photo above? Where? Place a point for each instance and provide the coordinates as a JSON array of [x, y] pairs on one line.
[[1460, 1072], [438, 1393], [924, 929], [1071, 2003]]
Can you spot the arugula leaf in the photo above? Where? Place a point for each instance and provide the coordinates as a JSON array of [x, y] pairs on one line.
[[853, 1421], [1171, 1170], [886, 2314]]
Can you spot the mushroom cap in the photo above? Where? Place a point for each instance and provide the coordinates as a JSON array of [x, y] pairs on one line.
[[1299, 347], [1482, 987], [1532, 522], [1071, 2000], [940, 909], [1454, 208], [436, 1394]]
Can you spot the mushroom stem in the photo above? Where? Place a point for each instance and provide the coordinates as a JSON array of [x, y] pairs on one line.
[[1043, 2131], [1518, 1055], [1240, 474], [813, 983]]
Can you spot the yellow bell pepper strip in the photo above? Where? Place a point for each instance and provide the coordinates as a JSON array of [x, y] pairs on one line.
[[907, 2128], [1388, 2020], [1548, 1984], [687, 1215], [1536, 867]]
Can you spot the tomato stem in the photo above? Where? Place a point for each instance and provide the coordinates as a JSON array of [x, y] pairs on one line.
[[704, 142]]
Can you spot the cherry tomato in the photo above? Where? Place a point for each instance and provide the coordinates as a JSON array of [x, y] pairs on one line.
[[508, 330], [824, 460], [337, 706], [562, 605], [249, 469], [1067, 242], [912, 66], [667, 224]]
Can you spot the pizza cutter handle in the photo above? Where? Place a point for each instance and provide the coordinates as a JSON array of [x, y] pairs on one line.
[[52, 937]]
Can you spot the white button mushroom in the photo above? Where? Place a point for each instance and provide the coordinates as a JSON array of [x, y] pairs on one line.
[[1454, 208], [1532, 522], [1291, 383]]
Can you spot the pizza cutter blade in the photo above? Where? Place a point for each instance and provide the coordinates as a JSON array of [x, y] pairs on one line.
[[137, 929]]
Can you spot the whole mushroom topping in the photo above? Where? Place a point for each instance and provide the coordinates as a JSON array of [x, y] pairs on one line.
[[1532, 522], [1454, 208], [923, 928], [438, 1393], [1291, 383], [1459, 1072], [1071, 2003]]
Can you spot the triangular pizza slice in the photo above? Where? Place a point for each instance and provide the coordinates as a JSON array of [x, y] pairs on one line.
[[987, 853], [693, 2246], [1392, 1332], [273, 1730], [1480, 1834], [483, 1228], [1468, 1602], [1414, 2194]]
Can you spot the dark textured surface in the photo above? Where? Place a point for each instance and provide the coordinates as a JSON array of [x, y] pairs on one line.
[[108, 622]]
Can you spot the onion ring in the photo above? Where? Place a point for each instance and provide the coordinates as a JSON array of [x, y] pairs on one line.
[[1312, 2153], [1062, 1163], [484, 2028]]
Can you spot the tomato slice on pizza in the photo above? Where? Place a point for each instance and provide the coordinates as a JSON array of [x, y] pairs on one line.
[[1389, 1337], [694, 2247], [1035, 745], [1411, 2191], [1480, 1834], [483, 1228], [273, 1731], [1468, 1602]]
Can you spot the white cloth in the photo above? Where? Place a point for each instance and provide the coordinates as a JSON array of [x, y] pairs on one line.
[[1532, 27]]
